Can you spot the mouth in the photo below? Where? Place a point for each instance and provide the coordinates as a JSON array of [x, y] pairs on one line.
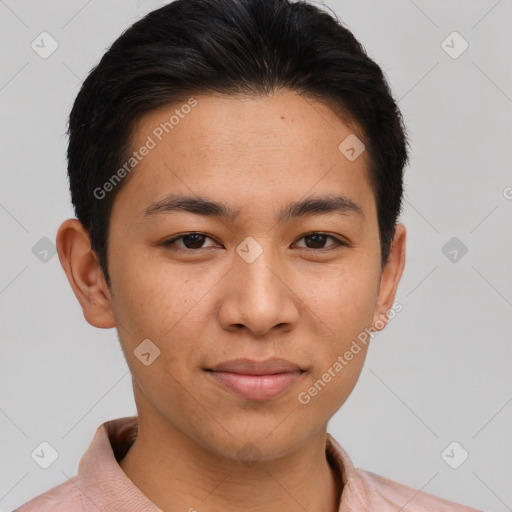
[[256, 380]]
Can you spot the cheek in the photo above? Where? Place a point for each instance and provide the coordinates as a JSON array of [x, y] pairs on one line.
[[343, 305], [155, 298], [335, 385], [165, 304], [342, 298]]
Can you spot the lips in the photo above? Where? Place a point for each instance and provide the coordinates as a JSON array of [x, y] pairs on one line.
[[256, 380], [250, 367]]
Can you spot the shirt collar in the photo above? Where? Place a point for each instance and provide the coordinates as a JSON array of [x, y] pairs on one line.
[[102, 482], [105, 486]]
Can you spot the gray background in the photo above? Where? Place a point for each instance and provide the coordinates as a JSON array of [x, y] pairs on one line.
[[440, 372]]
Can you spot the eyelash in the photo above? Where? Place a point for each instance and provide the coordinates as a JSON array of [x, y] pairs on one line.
[[338, 242]]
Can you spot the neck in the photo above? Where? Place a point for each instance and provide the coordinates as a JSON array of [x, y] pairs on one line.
[[176, 473]]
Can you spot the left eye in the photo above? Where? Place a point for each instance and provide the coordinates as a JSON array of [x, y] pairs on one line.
[[319, 239], [193, 241]]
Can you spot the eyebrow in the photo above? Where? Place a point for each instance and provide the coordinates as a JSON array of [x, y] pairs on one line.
[[316, 205]]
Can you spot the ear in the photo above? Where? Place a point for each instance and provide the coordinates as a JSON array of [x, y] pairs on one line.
[[84, 273], [390, 278]]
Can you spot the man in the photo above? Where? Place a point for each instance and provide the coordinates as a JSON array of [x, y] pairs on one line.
[[236, 171]]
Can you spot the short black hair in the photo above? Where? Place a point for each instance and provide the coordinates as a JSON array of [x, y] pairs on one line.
[[246, 47]]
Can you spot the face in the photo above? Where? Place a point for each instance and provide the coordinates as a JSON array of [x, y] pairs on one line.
[[264, 273]]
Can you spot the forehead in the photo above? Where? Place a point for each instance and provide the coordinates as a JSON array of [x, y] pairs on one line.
[[245, 149]]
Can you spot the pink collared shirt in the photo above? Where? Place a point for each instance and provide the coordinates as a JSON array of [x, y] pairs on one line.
[[101, 484]]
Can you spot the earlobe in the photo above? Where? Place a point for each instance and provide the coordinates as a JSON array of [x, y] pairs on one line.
[[390, 278], [84, 273]]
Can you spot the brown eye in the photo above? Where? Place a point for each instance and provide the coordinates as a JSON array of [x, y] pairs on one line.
[[190, 241], [317, 241], [193, 241]]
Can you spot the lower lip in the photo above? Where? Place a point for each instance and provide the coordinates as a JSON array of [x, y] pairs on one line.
[[256, 387]]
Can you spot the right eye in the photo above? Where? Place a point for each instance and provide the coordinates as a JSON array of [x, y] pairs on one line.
[[190, 241]]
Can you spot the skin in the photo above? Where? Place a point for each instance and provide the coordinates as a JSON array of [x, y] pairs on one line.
[[303, 300]]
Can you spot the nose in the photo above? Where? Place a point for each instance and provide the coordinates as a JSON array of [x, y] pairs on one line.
[[259, 297]]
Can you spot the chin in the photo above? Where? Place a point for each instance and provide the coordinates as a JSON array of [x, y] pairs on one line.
[[252, 443]]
